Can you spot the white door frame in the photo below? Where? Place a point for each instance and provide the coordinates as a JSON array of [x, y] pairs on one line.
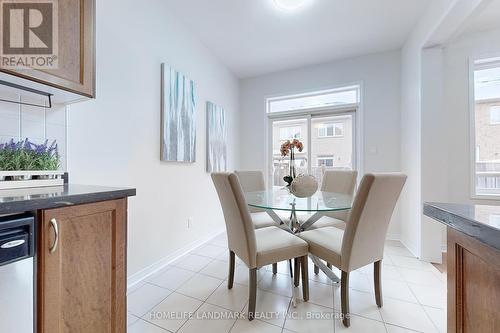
[[308, 114]]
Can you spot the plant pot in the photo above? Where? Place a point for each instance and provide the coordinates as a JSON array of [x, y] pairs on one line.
[[34, 178]]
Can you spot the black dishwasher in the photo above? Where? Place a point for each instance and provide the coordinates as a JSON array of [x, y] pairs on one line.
[[17, 249]]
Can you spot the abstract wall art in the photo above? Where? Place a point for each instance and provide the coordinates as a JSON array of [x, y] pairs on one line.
[[216, 138], [178, 121]]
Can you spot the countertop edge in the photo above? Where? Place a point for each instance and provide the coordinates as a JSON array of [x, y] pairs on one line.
[[65, 201], [472, 228]]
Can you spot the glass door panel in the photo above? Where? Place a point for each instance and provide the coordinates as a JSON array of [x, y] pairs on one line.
[[283, 130], [332, 144]]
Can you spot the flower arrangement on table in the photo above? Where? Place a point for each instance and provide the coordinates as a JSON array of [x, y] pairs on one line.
[[288, 148], [27, 156]]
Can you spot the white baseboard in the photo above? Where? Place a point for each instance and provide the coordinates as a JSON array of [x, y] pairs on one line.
[[409, 249], [143, 274]]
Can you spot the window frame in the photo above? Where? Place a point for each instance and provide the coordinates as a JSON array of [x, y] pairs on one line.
[[356, 110], [476, 63]]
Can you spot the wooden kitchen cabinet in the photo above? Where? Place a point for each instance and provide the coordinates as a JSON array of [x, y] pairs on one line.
[[76, 51], [473, 285], [82, 270]]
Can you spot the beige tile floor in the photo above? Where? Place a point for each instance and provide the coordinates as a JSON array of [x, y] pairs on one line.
[[191, 295]]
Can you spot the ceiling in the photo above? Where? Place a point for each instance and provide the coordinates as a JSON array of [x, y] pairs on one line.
[[254, 37], [487, 18]]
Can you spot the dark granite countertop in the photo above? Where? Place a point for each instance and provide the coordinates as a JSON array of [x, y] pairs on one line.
[[30, 199], [478, 221]]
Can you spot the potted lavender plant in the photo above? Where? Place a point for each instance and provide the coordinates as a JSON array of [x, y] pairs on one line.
[[26, 164]]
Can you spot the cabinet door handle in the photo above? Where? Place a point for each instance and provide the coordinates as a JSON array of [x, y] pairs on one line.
[[53, 224]]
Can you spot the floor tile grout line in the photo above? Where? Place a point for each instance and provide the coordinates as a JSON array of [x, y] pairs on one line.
[[286, 316], [171, 292], [196, 274], [421, 306], [423, 309], [150, 323], [212, 259], [190, 317], [187, 269], [406, 328]]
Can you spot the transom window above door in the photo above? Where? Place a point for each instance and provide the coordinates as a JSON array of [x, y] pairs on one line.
[[314, 100]]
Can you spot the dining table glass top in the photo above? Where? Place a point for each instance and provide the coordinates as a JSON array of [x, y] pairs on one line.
[[282, 199]]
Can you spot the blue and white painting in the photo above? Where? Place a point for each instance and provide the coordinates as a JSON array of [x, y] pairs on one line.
[[178, 142], [216, 138]]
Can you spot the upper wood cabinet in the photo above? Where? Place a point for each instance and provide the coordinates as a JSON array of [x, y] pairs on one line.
[[82, 268], [76, 51]]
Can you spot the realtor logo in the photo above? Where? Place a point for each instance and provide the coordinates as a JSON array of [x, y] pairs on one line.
[[28, 34]]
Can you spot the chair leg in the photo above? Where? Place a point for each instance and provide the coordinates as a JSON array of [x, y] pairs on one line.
[[296, 271], [230, 278], [377, 278], [344, 298], [305, 278], [252, 290], [316, 270], [275, 268]]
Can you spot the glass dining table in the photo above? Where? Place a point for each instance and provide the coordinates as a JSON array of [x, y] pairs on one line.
[[280, 199]]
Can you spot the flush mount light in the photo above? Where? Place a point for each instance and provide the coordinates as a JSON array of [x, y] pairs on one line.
[[290, 5]]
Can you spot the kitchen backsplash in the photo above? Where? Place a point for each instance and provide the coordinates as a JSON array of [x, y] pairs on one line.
[[38, 124]]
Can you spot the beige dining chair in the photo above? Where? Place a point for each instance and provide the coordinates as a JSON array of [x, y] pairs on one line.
[[362, 242], [255, 247], [338, 181], [252, 181]]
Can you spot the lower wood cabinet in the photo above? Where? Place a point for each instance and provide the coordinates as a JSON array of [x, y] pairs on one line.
[[82, 268], [473, 285]]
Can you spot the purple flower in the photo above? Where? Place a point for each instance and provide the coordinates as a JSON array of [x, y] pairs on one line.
[[11, 145]]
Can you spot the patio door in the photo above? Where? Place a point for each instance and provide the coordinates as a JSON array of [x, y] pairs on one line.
[[329, 139]]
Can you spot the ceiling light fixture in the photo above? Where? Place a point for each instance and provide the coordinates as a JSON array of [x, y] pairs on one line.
[[290, 5]]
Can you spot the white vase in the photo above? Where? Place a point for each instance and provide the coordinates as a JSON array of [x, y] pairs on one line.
[[304, 186]]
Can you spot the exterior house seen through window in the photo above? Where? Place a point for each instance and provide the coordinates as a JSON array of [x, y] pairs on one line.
[[290, 133], [324, 121], [486, 129], [331, 130], [495, 115]]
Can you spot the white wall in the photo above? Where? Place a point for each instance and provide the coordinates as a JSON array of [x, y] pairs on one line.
[[380, 76], [434, 159], [115, 139], [426, 153], [19, 122], [411, 154]]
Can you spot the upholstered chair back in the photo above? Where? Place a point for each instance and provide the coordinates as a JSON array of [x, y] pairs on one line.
[[252, 181], [339, 181], [365, 233], [239, 226]]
